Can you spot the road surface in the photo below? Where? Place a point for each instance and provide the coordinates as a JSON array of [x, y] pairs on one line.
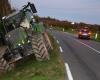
[[81, 57]]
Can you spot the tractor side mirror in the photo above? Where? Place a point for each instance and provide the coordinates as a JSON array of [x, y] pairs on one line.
[[33, 8]]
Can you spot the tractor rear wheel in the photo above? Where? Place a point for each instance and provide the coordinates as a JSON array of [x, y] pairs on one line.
[[39, 49]]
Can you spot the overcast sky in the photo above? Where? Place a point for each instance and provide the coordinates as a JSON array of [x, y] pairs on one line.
[[72, 10]]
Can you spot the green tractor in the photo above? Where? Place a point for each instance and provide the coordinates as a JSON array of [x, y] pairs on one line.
[[20, 37]]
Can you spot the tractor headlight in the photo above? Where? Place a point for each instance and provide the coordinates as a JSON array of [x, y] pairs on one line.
[[19, 44], [23, 41], [28, 41]]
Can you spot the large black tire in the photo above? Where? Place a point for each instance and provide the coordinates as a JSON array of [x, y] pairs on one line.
[[5, 66], [39, 48]]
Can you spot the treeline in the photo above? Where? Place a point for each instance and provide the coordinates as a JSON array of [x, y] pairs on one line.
[[66, 24], [55, 22]]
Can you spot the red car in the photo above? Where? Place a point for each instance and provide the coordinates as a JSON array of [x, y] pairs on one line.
[[84, 33]]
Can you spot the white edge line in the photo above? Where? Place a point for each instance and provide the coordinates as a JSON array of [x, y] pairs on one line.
[[89, 46], [70, 77], [61, 49]]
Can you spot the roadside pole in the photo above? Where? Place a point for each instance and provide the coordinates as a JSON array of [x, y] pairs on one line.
[[73, 23], [72, 30], [96, 35], [63, 30]]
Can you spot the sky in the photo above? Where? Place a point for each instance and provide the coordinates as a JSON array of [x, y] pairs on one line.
[[87, 11]]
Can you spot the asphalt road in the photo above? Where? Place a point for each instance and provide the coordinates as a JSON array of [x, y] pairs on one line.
[[82, 56]]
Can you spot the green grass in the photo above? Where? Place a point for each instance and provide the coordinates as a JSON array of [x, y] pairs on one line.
[[30, 69]]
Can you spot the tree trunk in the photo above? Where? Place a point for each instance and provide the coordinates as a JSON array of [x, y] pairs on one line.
[[5, 7]]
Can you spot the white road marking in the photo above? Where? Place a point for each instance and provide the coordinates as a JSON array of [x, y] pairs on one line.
[[57, 41], [88, 46], [61, 49], [70, 77]]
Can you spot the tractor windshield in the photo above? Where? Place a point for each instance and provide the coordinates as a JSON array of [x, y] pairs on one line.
[[16, 37]]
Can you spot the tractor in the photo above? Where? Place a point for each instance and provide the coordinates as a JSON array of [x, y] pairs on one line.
[[23, 36]]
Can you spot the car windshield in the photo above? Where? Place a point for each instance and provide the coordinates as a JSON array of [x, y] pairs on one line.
[[16, 36]]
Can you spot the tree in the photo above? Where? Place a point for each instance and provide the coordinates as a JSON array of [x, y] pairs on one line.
[[5, 7]]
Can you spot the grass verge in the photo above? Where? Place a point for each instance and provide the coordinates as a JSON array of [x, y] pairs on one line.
[[97, 39], [30, 69]]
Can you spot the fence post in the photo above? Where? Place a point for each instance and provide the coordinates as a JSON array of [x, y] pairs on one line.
[[96, 35]]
